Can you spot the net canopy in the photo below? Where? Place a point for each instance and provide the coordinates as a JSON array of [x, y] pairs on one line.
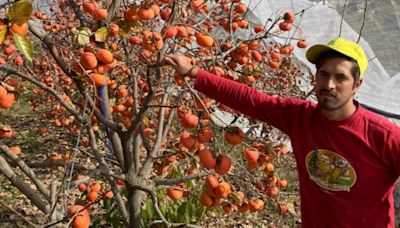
[[321, 21]]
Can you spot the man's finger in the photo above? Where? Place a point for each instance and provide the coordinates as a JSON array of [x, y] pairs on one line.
[[168, 60]]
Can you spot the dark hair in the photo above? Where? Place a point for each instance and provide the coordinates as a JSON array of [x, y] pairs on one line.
[[355, 69]]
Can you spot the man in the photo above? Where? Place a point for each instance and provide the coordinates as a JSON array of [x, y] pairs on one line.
[[348, 158]]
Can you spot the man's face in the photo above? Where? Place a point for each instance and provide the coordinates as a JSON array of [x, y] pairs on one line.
[[334, 84]]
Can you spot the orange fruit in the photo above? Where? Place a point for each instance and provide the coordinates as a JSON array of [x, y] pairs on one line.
[[181, 31], [108, 195], [228, 208], [272, 191], [244, 207], [256, 205], [15, 150], [189, 120], [20, 29], [146, 14], [82, 187], [113, 29], [211, 182], [10, 49], [174, 194], [104, 56], [98, 79], [269, 167], [251, 154], [95, 187], [170, 31], [282, 183], [259, 28], [76, 208], [81, 221], [152, 41], [90, 7], [238, 197], [271, 180], [155, 8], [88, 60], [256, 56], [6, 101], [222, 190], [205, 135], [100, 14], [241, 8], [204, 40], [207, 158], [282, 208], [224, 164], [92, 196], [196, 5], [273, 64], [3, 92], [206, 200], [188, 141], [289, 16], [112, 65], [234, 135]]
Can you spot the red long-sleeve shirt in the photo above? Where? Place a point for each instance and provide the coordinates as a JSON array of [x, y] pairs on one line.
[[347, 169]]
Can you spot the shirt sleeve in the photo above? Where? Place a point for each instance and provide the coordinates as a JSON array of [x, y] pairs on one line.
[[249, 101]]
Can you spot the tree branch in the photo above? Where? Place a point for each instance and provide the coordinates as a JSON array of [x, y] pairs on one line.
[[27, 170], [16, 213], [22, 186], [155, 203]]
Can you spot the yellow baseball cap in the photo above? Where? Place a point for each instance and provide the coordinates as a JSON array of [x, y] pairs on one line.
[[343, 46]]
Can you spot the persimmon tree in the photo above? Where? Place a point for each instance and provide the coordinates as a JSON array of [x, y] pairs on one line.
[[96, 70]]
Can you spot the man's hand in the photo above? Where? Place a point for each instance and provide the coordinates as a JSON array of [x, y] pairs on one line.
[[183, 65]]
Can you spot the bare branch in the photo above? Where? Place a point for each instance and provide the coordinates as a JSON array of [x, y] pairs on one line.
[[180, 179], [26, 169], [22, 186], [44, 87], [112, 8], [155, 203], [107, 174], [16, 213], [84, 21]]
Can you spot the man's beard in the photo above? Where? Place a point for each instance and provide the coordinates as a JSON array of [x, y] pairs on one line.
[[329, 101]]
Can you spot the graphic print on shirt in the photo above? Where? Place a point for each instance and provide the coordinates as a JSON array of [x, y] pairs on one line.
[[330, 170]]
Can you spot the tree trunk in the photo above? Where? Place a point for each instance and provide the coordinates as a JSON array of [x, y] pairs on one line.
[[135, 198]]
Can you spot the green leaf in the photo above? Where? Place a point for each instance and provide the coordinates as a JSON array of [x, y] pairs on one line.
[[3, 34], [150, 208], [107, 203], [20, 12], [81, 35], [96, 223], [24, 45], [101, 34], [188, 212]]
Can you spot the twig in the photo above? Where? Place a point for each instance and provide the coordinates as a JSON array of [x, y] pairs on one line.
[[18, 214], [341, 20], [176, 224], [180, 179], [363, 22], [155, 203]]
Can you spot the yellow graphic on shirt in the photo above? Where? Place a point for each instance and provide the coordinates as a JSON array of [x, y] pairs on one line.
[[330, 170]]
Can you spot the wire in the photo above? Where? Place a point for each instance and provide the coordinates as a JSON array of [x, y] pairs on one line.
[[341, 19], [363, 22]]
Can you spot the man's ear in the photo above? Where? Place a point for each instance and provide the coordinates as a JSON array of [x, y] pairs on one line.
[[357, 85]]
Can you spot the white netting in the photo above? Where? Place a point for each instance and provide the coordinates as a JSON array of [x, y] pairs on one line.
[[319, 24]]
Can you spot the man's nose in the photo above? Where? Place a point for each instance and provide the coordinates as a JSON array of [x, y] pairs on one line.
[[330, 83]]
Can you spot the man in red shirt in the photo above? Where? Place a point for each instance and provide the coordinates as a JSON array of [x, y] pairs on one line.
[[348, 158]]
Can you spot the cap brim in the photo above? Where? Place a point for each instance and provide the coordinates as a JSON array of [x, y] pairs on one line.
[[315, 51]]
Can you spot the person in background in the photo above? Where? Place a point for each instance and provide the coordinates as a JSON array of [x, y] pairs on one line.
[[348, 158]]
